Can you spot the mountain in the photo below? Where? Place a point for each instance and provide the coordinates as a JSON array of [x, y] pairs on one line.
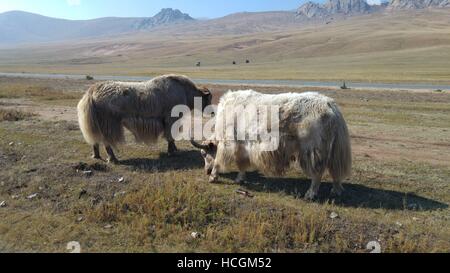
[[418, 4], [23, 27], [165, 17], [334, 7], [311, 10]]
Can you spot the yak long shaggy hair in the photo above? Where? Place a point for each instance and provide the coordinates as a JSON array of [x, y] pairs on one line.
[[313, 134], [143, 108]]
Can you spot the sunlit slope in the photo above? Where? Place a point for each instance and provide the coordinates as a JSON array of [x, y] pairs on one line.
[[405, 46]]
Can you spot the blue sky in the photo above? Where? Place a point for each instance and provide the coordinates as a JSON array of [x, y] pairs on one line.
[[87, 9]]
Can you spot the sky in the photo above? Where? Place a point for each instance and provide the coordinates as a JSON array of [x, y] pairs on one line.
[[89, 9]]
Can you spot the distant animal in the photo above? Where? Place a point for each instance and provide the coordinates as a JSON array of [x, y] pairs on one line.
[[313, 136], [142, 108]]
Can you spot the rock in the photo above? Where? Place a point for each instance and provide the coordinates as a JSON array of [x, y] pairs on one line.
[[196, 235], [417, 4], [332, 7], [87, 173], [165, 17], [245, 193], [311, 10], [117, 194], [334, 215], [82, 193], [2, 204], [32, 196]]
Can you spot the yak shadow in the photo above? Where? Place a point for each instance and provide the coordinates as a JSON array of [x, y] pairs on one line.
[[355, 195], [182, 160]]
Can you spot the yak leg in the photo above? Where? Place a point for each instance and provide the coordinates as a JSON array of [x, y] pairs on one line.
[[172, 148], [96, 149], [214, 175], [338, 189], [242, 176], [314, 189], [111, 156]]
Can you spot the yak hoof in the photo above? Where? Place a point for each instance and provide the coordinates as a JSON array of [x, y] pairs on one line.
[[213, 179], [113, 161], [337, 191], [239, 180], [310, 196]]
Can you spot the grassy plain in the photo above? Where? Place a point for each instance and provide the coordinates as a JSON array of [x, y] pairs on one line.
[[54, 193], [412, 46]]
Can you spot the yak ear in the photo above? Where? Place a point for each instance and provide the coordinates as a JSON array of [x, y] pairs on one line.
[[212, 146], [205, 91]]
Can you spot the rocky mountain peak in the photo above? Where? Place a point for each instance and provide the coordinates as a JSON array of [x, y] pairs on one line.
[[332, 7], [418, 4], [164, 17]]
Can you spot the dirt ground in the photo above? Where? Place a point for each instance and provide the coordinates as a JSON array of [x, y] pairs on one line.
[[398, 194]]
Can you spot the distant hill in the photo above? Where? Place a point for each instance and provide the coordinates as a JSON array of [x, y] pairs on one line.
[[418, 4], [19, 27], [312, 10], [24, 27]]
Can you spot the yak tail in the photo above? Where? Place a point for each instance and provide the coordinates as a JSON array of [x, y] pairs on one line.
[[340, 156], [98, 127]]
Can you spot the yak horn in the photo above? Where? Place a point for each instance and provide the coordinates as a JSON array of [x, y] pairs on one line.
[[199, 146]]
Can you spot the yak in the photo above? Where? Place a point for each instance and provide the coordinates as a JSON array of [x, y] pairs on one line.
[[144, 108], [313, 136]]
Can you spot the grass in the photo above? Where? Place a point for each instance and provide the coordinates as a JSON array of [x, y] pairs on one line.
[[402, 47], [13, 115], [398, 195]]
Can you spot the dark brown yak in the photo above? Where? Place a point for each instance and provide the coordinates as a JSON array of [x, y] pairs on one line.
[[143, 108]]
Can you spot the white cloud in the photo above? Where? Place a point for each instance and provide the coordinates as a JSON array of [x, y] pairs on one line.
[[374, 2], [73, 2]]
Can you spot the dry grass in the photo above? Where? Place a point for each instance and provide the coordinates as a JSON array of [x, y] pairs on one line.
[[398, 195], [13, 115], [405, 47]]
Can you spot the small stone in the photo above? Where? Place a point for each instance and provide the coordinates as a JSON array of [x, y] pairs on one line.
[[2, 204], [196, 235], [87, 173], [334, 215], [82, 193], [117, 194], [34, 195]]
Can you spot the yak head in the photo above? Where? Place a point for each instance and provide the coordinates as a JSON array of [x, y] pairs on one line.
[[206, 97], [208, 151]]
